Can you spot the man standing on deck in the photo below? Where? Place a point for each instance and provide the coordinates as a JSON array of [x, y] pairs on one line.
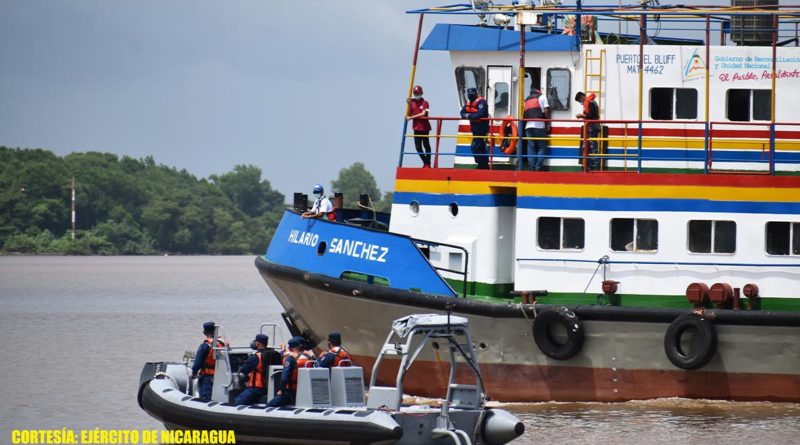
[[204, 362], [258, 367], [476, 110], [335, 354], [591, 112], [417, 112], [536, 107]]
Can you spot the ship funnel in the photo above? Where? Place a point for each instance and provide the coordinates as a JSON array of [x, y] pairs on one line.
[[501, 427]]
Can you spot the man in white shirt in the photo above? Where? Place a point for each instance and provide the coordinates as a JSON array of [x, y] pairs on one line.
[[536, 107], [322, 206]]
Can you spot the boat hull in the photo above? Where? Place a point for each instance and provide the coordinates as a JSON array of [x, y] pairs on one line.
[[622, 358]]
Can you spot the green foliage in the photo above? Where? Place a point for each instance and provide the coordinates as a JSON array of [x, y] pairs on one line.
[[356, 180], [129, 206]]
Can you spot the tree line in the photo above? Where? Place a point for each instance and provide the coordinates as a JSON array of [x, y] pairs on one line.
[[128, 206]]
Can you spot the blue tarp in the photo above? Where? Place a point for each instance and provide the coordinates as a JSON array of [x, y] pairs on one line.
[[449, 37]]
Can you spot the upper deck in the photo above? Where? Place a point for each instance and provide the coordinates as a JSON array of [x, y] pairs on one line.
[[685, 89]]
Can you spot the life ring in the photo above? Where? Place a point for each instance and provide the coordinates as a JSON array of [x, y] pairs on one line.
[[704, 341], [508, 136], [548, 343]]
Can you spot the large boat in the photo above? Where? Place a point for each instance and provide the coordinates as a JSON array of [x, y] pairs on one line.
[[658, 256]]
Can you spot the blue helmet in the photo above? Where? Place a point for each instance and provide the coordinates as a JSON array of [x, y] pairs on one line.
[[318, 188]]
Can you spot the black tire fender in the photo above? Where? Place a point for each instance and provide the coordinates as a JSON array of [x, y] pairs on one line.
[[706, 342], [543, 337]]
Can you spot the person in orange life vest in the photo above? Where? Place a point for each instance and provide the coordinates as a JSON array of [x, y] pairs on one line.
[[536, 107], [204, 362], [590, 112], [258, 367], [335, 354], [418, 109], [322, 205], [476, 111], [292, 361]]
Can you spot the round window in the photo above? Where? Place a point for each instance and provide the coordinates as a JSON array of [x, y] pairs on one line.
[[321, 248], [414, 208], [453, 209]]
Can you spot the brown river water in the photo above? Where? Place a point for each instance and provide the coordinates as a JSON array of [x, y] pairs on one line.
[[77, 331]]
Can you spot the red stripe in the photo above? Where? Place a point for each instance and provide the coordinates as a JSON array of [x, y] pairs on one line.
[[599, 178]]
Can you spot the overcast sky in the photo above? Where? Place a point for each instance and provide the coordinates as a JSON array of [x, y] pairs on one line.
[[300, 89]]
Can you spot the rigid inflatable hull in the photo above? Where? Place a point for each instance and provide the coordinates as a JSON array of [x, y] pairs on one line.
[[257, 424], [622, 358]]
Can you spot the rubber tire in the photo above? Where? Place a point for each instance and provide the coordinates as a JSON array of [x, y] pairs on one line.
[[708, 341], [549, 347]]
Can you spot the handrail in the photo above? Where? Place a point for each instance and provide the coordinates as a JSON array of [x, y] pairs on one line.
[[768, 137], [466, 259]]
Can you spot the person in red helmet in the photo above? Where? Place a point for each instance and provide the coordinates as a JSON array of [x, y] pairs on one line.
[[418, 111]]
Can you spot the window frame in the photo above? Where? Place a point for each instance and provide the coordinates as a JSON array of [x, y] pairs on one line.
[[635, 235], [561, 234], [713, 237], [461, 88], [565, 107], [794, 227], [750, 104], [673, 92]]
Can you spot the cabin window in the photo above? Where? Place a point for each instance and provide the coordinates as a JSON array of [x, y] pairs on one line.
[[533, 78], [783, 238], [712, 236], [558, 93], [634, 235], [673, 103], [502, 95], [560, 233], [469, 77], [747, 105]]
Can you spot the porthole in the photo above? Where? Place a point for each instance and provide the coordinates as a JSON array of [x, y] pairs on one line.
[[453, 209], [414, 208], [321, 248]]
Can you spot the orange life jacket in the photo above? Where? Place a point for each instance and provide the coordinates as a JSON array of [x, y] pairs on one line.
[[339, 354], [302, 359], [256, 377], [472, 107], [586, 103], [210, 362], [533, 109]]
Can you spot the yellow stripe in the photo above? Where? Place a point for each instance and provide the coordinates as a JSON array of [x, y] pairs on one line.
[[760, 194]]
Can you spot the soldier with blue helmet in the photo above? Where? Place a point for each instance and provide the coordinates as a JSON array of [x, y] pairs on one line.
[[336, 353], [322, 205], [476, 110]]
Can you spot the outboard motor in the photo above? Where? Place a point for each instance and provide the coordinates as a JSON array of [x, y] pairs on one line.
[[500, 427]]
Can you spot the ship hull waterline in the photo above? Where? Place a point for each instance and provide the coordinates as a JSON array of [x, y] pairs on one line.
[[622, 358]]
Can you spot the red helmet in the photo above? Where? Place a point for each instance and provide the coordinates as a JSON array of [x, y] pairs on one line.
[[417, 90]]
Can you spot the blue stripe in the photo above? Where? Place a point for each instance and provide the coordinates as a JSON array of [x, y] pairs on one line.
[[657, 205], [462, 200], [599, 204], [452, 37]]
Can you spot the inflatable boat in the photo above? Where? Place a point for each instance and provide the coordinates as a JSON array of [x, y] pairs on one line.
[[331, 406]]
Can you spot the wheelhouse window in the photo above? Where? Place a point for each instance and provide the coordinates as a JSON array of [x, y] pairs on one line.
[[558, 93], [749, 105], [634, 235], [560, 233], [707, 236], [469, 77], [533, 77], [783, 238], [502, 94], [673, 103]]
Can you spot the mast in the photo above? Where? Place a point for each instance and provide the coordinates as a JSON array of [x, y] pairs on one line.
[[73, 208]]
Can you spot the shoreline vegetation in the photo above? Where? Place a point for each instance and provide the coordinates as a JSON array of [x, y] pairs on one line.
[[127, 206]]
